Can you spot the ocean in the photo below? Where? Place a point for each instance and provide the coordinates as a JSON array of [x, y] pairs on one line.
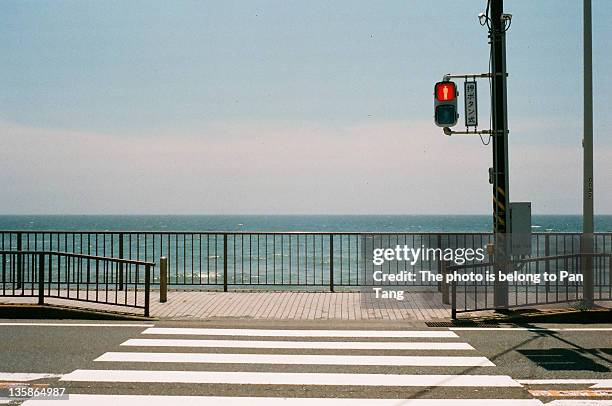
[[373, 223], [197, 259]]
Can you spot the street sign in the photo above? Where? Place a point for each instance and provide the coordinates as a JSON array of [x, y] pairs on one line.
[[471, 104], [445, 104]]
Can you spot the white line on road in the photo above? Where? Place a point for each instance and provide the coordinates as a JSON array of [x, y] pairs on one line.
[[605, 383], [293, 378], [24, 376], [76, 325], [303, 333], [327, 345], [293, 359], [527, 329], [579, 402], [558, 381], [138, 400]]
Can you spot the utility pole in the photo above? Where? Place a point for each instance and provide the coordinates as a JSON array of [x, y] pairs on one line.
[[499, 106], [445, 109], [587, 144]]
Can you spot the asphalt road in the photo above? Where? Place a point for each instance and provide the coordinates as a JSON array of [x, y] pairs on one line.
[[56, 347], [546, 354]]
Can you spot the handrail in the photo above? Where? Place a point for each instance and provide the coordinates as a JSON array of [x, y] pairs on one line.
[[295, 232], [453, 282], [74, 255], [530, 259], [85, 278]]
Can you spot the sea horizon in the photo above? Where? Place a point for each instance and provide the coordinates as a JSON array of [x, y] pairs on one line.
[[290, 222]]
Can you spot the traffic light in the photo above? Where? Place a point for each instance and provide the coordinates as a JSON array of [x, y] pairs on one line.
[[445, 104]]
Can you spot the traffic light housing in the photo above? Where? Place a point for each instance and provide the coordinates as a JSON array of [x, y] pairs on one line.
[[445, 104]]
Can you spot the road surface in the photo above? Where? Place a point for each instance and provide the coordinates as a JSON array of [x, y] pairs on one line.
[[247, 363]]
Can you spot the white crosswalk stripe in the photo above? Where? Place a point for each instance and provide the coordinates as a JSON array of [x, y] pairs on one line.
[[136, 400], [276, 358], [293, 378], [292, 359], [322, 345], [303, 333]]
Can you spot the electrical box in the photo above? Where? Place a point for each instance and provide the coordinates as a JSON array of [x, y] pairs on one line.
[[520, 223]]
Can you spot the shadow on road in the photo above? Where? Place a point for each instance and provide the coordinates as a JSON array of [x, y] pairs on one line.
[[568, 359]]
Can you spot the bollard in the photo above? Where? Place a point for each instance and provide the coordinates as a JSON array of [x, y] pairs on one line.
[[163, 280], [445, 290], [147, 291]]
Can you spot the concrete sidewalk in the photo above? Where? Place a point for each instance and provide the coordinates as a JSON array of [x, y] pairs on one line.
[[297, 306], [279, 305]]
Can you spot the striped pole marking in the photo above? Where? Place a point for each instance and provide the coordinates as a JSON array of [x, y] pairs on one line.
[[327, 345], [302, 333], [292, 359], [301, 379]]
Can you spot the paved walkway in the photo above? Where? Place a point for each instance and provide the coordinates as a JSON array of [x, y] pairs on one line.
[[186, 305], [298, 306]]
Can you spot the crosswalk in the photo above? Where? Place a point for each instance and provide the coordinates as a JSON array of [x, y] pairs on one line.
[[185, 366]]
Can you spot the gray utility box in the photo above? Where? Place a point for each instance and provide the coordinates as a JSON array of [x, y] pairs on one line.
[[520, 223]]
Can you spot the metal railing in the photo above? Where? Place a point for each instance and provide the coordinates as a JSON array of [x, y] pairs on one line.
[[313, 260], [535, 281], [77, 277]]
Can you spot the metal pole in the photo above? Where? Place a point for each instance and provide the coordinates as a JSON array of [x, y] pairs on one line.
[[121, 264], [163, 280], [587, 145], [501, 195], [41, 279], [19, 262], [331, 262], [225, 262], [454, 300], [440, 284]]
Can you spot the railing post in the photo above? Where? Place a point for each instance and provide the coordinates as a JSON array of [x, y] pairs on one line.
[[19, 261], [454, 300], [147, 289], [121, 264], [163, 280], [547, 263], [225, 262], [331, 262], [440, 263], [41, 279]]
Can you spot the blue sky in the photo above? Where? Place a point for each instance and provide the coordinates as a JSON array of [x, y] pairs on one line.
[[286, 106]]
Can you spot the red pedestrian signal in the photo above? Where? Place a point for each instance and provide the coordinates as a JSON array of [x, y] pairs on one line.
[[445, 104], [446, 91]]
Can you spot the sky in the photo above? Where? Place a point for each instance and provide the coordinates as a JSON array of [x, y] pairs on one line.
[[288, 107]]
